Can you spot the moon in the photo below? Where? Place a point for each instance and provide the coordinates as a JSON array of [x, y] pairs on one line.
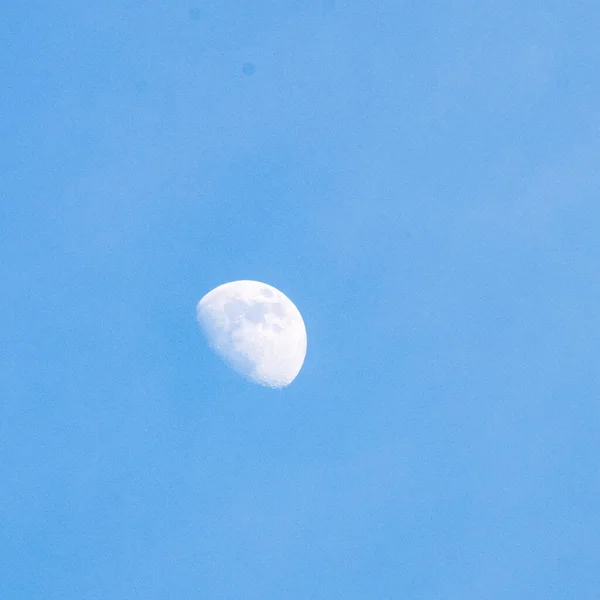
[[256, 329]]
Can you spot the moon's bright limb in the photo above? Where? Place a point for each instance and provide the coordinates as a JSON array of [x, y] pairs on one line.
[[256, 329]]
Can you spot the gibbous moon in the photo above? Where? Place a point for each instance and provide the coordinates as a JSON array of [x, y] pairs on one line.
[[256, 329]]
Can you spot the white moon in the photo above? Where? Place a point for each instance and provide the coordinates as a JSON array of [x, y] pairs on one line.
[[256, 329]]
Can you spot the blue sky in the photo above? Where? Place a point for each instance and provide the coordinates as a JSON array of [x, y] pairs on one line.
[[421, 179]]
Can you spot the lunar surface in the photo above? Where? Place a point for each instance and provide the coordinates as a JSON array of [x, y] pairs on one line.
[[256, 329]]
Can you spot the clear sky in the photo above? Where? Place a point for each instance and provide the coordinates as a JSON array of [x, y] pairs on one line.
[[421, 179]]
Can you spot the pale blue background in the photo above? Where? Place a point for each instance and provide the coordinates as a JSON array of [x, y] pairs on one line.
[[421, 178]]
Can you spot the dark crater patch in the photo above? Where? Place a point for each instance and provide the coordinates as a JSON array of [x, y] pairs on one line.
[[256, 312], [235, 309], [278, 309]]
